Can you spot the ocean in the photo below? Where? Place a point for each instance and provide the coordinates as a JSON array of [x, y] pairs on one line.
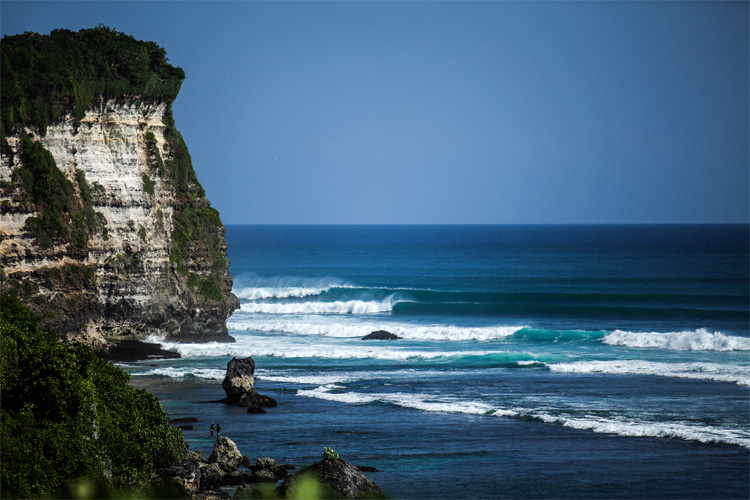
[[560, 361]]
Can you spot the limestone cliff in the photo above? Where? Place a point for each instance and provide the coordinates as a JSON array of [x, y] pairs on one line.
[[120, 241]]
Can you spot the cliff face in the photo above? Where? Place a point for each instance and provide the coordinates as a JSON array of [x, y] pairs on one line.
[[140, 250]]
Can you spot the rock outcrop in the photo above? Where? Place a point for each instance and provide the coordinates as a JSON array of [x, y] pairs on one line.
[[225, 454], [335, 478], [239, 383], [240, 378], [381, 335], [200, 478], [138, 249]]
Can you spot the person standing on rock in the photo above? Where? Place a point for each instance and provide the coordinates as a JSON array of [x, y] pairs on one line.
[[218, 430], [212, 429]]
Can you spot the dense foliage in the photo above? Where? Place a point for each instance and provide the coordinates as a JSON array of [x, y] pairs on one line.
[[63, 216], [67, 414], [43, 76]]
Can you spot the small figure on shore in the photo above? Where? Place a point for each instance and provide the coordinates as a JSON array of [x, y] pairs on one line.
[[212, 429], [218, 430]]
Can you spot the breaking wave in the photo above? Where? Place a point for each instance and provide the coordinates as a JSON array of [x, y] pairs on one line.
[[699, 371], [617, 426], [698, 340]]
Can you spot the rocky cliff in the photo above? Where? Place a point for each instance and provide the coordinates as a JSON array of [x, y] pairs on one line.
[[104, 227]]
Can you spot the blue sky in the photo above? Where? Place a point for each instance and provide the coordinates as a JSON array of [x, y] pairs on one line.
[[451, 112]]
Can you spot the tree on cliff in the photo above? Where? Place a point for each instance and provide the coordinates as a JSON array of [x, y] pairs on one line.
[[68, 415], [46, 75]]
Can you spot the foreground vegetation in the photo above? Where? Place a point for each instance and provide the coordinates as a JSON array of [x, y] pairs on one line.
[[70, 418]]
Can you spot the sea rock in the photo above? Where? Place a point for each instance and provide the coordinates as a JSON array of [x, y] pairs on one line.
[[381, 335], [269, 464], [226, 455], [337, 478], [240, 379], [238, 385], [263, 476], [236, 478], [252, 399]]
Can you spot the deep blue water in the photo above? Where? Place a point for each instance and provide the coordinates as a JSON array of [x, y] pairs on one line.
[[536, 361]]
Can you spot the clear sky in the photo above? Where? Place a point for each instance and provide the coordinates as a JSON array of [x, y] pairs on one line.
[[451, 112]]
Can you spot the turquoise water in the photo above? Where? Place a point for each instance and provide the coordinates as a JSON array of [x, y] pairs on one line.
[[535, 361]]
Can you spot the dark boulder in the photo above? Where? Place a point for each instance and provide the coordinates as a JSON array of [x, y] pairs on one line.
[[240, 378], [270, 465], [381, 335], [211, 476], [336, 478], [238, 384], [263, 476], [236, 478], [252, 399]]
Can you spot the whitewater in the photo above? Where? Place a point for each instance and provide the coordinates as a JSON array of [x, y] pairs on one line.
[[542, 352]]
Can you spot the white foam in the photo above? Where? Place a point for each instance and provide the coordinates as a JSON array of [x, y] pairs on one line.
[[615, 426], [323, 392], [652, 429], [250, 286], [307, 379], [405, 400], [341, 328], [698, 340], [699, 371], [276, 293], [180, 373], [337, 307]]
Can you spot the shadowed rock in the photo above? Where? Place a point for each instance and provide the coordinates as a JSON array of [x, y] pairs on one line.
[[381, 335], [337, 479], [240, 379]]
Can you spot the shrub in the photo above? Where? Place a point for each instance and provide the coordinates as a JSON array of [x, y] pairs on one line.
[[148, 184], [68, 415]]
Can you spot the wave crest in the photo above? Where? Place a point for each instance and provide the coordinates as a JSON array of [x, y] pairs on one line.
[[337, 307], [699, 371], [250, 286], [698, 340]]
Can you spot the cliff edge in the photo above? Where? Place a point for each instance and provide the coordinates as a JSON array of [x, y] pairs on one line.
[[105, 229]]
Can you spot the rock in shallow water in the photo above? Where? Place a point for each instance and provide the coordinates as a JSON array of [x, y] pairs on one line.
[[238, 385], [381, 335], [240, 378]]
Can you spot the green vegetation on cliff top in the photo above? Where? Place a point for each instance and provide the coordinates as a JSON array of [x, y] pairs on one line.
[[68, 415], [45, 76]]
